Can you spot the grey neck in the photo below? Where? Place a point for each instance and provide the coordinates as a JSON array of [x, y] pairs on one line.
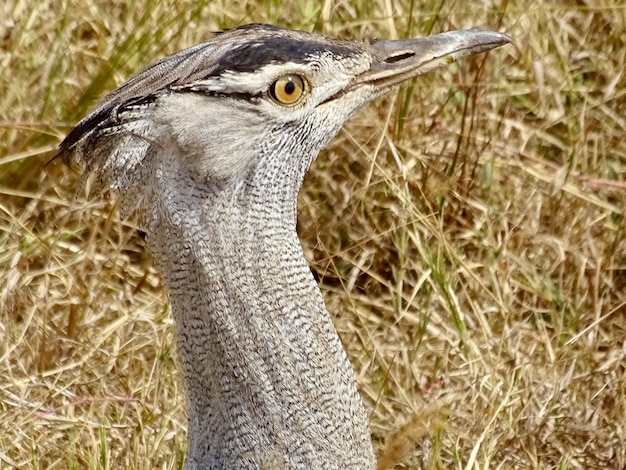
[[267, 380]]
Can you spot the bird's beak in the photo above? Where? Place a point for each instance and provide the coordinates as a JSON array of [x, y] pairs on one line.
[[397, 61]]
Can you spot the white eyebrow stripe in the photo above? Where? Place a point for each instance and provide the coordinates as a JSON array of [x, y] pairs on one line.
[[252, 83]]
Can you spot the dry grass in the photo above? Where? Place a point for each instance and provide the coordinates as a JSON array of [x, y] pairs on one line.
[[470, 245]]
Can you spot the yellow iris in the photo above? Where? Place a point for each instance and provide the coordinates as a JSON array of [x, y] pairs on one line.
[[287, 90]]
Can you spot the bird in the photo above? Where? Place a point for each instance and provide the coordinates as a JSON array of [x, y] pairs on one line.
[[209, 147]]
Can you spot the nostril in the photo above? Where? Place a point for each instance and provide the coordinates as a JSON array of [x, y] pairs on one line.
[[399, 56]]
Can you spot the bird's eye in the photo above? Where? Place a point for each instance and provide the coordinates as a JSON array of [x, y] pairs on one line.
[[287, 90]]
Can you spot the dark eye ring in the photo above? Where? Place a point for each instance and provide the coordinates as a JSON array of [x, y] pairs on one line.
[[287, 90]]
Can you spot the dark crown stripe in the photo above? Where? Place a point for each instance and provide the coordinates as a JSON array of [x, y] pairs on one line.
[[253, 56]]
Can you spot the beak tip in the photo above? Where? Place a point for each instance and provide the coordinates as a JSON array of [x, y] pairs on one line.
[[487, 37], [506, 39]]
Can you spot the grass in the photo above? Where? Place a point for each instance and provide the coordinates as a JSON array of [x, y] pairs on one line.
[[467, 232]]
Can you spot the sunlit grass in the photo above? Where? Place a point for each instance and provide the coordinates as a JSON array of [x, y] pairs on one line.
[[467, 232]]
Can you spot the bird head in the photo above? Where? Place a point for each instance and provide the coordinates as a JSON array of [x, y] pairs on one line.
[[250, 108]]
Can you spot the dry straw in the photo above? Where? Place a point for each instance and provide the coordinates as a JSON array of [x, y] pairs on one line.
[[467, 232]]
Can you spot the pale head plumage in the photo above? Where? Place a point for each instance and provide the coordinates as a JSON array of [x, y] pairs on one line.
[[212, 101]]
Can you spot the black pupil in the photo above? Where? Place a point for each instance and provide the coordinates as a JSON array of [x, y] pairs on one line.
[[290, 87]]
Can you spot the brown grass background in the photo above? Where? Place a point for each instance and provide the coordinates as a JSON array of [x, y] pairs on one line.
[[467, 232]]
